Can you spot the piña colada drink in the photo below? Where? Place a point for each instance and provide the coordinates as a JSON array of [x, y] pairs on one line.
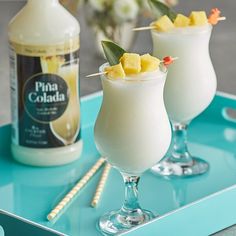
[[191, 83], [193, 72], [128, 127], [130, 132]]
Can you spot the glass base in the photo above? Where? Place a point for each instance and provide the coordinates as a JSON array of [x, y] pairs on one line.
[[117, 222], [169, 168]]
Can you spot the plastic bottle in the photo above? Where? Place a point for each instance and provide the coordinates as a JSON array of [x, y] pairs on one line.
[[44, 62]]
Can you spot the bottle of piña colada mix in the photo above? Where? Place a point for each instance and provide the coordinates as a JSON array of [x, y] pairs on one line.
[[44, 62]]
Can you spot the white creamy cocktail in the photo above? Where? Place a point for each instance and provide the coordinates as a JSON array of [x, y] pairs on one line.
[[133, 132], [191, 83], [189, 89], [130, 131]]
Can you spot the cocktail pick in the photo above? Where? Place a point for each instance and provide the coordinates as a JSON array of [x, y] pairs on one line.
[[144, 28], [101, 185], [166, 61], [213, 19], [96, 74], [79, 185]]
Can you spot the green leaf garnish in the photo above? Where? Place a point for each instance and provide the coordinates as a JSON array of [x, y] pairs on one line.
[[160, 9], [113, 52]]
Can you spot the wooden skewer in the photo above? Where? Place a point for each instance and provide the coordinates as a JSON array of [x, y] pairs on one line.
[[173, 58], [144, 28], [105, 72], [101, 185], [79, 185], [153, 27], [96, 74], [221, 18]]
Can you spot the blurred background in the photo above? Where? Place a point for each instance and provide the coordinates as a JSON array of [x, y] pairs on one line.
[[98, 22]]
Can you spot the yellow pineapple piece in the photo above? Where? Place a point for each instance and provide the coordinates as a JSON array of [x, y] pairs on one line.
[[115, 72], [131, 63], [163, 24], [198, 18], [149, 63], [181, 21]]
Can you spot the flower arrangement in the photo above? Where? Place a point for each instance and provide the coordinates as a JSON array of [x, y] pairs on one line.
[[100, 5], [108, 15], [113, 19]]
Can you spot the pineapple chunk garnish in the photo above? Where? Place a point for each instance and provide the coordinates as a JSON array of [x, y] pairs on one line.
[[131, 63], [198, 18], [181, 21], [149, 63], [115, 72], [163, 24]]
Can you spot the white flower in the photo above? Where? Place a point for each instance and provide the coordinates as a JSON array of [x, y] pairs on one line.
[[126, 9], [99, 5]]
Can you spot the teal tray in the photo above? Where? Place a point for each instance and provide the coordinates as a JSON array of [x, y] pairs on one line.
[[192, 206]]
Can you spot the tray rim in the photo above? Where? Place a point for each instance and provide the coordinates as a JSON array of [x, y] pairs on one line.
[[226, 95], [20, 218], [99, 93]]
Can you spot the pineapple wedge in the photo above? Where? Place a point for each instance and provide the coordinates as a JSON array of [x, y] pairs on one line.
[[198, 18], [131, 63], [115, 72], [181, 21], [163, 24], [149, 63]]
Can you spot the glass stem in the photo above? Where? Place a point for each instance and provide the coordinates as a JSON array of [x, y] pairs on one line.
[[131, 193], [180, 149]]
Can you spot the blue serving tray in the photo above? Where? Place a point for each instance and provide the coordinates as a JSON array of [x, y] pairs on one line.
[[192, 206]]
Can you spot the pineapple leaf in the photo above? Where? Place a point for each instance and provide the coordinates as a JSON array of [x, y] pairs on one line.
[[160, 9], [113, 52]]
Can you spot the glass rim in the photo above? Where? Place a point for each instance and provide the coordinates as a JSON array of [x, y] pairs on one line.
[[103, 76], [181, 30]]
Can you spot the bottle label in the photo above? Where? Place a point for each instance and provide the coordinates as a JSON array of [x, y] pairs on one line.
[[45, 94]]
